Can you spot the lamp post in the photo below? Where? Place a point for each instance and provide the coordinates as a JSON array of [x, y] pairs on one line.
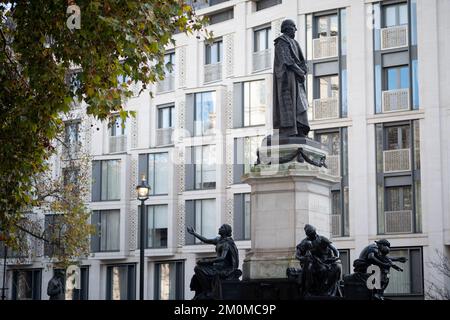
[[143, 189]]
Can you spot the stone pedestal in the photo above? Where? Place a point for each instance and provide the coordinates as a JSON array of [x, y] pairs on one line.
[[284, 197]]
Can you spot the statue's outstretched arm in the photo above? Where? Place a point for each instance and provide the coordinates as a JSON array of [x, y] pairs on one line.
[[200, 237], [377, 261]]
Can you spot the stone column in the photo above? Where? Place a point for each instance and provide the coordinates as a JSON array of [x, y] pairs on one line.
[[284, 198]]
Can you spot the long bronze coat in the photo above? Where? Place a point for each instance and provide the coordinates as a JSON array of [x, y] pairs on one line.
[[289, 96]]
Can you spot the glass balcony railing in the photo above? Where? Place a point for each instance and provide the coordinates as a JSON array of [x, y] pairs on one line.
[[117, 144], [213, 72], [395, 100], [327, 108], [262, 60], [164, 136], [168, 84]]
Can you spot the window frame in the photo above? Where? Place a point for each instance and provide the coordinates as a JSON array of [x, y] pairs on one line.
[[208, 51], [131, 285], [150, 210], [179, 278]]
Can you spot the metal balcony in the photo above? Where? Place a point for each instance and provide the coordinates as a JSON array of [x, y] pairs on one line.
[[325, 47], [333, 164], [327, 108], [213, 72], [117, 144], [262, 60], [394, 37], [398, 221], [336, 227], [168, 84], [395, 100], [397, 160], [164, 136]]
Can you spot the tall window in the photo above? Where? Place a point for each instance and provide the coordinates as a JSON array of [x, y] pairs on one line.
[[54, 231], [242, 216], [81, 293], [157, 225], [327, 26], [395, 15], [205, 218], [169, 280], [169, 62], [166, 116], [335, 140], [213, 52], [118, 127], [245, 155], [121, 282], [261, 39], [204, 113], [105, 180], [72, 133], [255, 103], [205, 167], [158, 170], [398, 177], [70, 177], [410, 281], [27, 284], [117, 135], [107, 236]]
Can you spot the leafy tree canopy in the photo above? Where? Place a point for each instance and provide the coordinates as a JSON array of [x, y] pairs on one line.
[[37, 51]]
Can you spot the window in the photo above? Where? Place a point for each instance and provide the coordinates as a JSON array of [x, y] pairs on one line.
[[117, 135], [242, 216], [398, 137], [245, 155], [328, 87], [410, 281], [205, 218], [107, 236], [169, 62], [344, 254], [73, 81], [255, 103], [221, 16], [118, 127], [397, 78], [54, 231], [166, 116], [335, 140], [398, 177], [72, 134], [327, 26], [205, 167], [121, 282], [157, 224], [261, 39], [204, 113], [158, 170], [213, 52], [264, 4], [27, 284], [169, 280], [70, 177], [106, 180], [395, 15], [81, 293]]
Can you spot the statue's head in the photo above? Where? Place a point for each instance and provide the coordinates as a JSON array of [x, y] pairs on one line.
[[225, 230], [310, 231], [288, 28], [384, 246]]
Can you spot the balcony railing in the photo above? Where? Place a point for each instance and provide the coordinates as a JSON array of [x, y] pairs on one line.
[[327, 108], [398, 221], [262, 60], [333, 164], [168, 84], [117, 143], [164, 136], [394, 37], [396, 160], [336, 227], [213, 72], [325, 47], [395, 100]]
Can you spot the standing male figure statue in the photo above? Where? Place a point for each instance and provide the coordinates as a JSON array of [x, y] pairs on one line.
[[289, 103]]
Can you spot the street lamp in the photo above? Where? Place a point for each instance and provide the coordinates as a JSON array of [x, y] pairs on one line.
[[143, 189]]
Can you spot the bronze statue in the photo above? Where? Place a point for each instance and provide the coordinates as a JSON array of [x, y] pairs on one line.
[[210, 271], [289, 96], [377, 254], [320, 268]]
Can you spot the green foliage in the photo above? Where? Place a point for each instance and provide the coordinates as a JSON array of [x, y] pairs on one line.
[[36, 52]]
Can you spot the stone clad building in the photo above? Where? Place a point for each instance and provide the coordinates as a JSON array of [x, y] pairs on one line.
[[379, 99]]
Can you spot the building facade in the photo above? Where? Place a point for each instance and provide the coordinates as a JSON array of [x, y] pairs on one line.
[[379, 99]]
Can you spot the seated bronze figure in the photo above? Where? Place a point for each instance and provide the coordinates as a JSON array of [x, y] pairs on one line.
[[210, 271]]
